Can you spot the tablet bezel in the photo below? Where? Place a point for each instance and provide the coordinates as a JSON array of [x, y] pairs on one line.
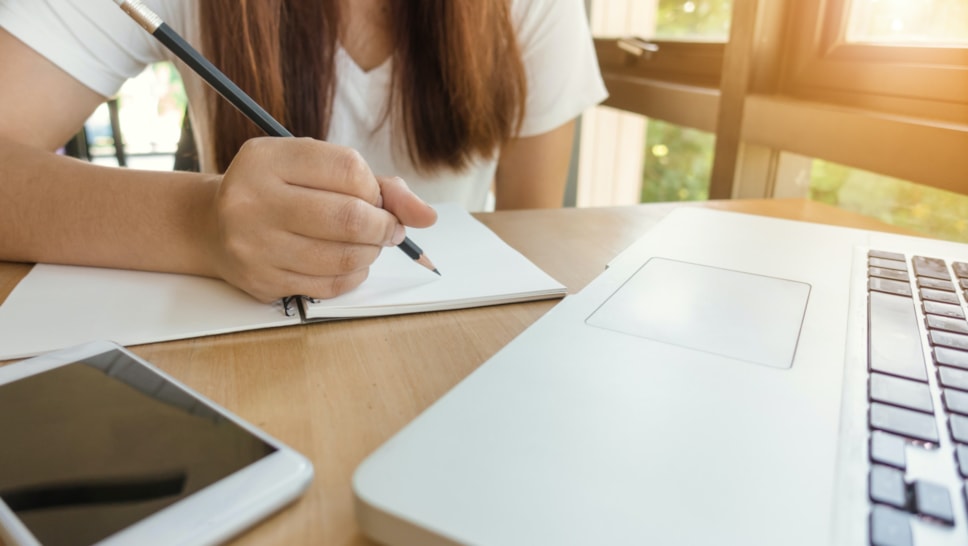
[[213, 514]]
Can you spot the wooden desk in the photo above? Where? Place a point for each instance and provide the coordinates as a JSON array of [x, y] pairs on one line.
[[336, 391]]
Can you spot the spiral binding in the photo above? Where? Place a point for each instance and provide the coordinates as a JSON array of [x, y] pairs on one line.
[[289, 307]]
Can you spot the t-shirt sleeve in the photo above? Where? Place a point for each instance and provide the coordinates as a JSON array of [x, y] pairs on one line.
[[92, 40], [559, 56]]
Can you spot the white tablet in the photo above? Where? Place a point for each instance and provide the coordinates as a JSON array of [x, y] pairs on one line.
[[98, 446]]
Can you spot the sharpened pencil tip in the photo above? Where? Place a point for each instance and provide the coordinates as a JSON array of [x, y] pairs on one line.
[[428, 265], [437, 272]]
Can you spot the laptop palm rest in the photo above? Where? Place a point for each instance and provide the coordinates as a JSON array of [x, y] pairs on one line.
[[753, 318]]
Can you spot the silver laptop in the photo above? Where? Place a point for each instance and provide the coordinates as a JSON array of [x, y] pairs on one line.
[[712, 386]]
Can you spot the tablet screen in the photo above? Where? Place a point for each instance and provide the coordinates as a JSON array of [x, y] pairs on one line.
[[94, 446]]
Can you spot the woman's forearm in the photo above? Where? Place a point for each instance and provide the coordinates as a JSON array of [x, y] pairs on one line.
[[60, 210]]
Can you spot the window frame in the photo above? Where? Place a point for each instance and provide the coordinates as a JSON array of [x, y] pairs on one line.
[[909, 79], [688, 63]]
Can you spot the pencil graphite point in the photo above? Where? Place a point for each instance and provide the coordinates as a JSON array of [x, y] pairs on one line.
[[425, 261]]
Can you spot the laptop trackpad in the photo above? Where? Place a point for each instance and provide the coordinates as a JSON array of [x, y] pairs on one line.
[[739, 315]]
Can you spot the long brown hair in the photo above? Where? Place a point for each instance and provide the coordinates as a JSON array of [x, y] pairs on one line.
[[458, 87]]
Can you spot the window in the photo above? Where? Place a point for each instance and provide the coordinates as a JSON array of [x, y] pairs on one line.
[[654, 97], [150, 110], [933, 212], [794, 97], [881, 55], [644, 160], [692, 20], [925, 22], [677, 164]]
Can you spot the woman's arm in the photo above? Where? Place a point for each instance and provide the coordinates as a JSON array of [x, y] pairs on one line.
[[57, 209], [532, 171], [290, 216]]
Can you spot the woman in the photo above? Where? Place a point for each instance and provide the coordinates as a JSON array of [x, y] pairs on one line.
[[450, 95]]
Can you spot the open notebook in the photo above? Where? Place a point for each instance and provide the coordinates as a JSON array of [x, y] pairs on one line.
[[58, 306]]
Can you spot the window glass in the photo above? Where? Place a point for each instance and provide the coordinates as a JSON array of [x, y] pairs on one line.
[[909, 22], [933, 212], [684, 20], [626, 158], [678, 163], [697, 20], [150, 110]]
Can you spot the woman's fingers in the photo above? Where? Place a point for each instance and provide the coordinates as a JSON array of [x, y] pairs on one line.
[[313, 164], [400, 201], [338, 217]]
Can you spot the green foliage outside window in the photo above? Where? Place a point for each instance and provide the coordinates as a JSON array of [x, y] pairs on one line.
[[678, 161], [933, 212], [693, 20]]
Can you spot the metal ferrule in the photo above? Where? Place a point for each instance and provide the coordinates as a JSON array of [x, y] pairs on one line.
[[141, 14]]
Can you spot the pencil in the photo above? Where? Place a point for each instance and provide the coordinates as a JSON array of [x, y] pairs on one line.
[[152, 23]]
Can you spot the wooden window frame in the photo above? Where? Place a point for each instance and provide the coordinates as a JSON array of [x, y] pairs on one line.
[[679, 83], [911, 80], [687, 63]]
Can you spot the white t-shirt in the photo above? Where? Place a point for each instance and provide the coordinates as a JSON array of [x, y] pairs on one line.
[[97, 43]]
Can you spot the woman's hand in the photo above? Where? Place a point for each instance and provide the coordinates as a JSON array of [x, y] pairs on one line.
[[301, 216]]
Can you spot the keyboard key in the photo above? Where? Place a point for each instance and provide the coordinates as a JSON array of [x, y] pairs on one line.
[[930, 294], [948, 339], [930, 267], [889, 449], [953, 378], [932, 500], [890, 287], [885, 263], [959, 428], [894, 338], [887, 486], [936, 284], [943, 309], [961, 269], [890, 527], [900, 392], [945, 356], [886, 255], [961, 453], [904, 422], [884, 273], [956, 401], [947, 323]]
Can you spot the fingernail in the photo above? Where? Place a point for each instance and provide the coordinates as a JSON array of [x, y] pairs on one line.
[[399, 234]]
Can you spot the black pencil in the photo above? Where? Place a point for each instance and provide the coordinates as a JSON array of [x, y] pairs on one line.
[[150, 21]]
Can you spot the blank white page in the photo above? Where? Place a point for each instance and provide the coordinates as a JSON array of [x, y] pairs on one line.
[[477, 268], [57, 306]]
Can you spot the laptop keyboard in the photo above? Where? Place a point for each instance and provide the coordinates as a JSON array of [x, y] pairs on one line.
[[918, 370]]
